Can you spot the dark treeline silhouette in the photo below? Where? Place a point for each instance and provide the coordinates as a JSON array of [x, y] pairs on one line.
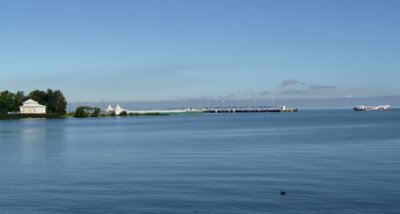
[[87, 111], [10, 102]]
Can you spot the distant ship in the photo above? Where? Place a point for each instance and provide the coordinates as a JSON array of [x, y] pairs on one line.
[[371, 108]]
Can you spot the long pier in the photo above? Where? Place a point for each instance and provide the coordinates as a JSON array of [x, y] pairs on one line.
[[118, 110], [249, 110]]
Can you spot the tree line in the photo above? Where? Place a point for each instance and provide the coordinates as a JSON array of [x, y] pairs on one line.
[[87, 111], [54, 100]]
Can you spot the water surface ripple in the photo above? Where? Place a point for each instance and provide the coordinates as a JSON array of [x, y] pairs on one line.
[[328, 161]]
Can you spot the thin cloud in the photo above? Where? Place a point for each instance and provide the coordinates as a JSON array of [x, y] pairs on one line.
[[290, 82], [264, 93]]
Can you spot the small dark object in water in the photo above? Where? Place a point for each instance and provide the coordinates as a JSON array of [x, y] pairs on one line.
[[283, 193]]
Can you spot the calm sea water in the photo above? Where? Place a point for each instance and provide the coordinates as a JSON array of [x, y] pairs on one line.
[[328, 161]]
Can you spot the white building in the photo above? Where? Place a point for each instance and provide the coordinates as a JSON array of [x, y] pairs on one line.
[[119, 110], [32, 107], [109, 110]]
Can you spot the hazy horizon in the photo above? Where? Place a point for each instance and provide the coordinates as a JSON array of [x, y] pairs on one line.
[[301, 103]]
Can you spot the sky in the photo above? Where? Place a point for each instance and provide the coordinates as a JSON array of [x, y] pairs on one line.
[[111, 50]]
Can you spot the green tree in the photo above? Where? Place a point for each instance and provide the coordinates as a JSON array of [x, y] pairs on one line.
[[96, 112], [6, 101], [50, 102], [60, 103], [38, 96], [81, 111], [18, 99], [123, 114], [87, 111]]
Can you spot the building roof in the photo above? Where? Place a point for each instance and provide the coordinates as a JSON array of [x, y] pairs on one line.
[[31, 103], [119, 108], [109, 108]]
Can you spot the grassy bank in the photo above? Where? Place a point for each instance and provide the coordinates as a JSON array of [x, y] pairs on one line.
[[24, 116]]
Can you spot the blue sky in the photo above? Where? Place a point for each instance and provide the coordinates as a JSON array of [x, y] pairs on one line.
[[180, 49]]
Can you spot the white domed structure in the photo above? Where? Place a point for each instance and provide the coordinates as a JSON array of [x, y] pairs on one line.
[[32, 107]]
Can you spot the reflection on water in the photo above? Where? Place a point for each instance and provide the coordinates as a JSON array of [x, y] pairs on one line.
[[328, 162], [30, 139]]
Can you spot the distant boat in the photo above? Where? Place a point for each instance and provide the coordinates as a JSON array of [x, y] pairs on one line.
[[371, 108]]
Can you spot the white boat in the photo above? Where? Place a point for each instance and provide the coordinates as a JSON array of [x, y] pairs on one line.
[[372, 108]]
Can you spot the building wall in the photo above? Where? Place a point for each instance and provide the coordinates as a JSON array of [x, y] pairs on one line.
[[33, 110]]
